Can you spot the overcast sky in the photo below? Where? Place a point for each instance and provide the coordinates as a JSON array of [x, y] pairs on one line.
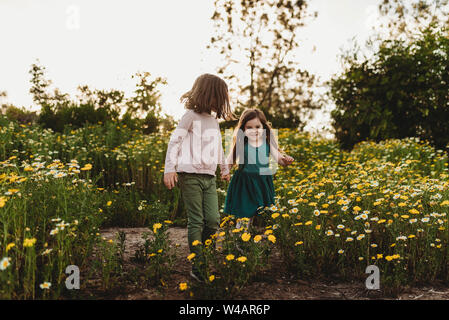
[[101, 43]]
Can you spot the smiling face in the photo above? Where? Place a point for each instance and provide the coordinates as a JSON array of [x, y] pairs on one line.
[[253, 129]]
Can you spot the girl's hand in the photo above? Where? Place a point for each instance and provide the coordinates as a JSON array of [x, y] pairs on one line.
[[170, 179], [226, 177], [286, 160]]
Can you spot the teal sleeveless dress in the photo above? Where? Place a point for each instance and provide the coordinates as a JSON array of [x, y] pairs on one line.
[[251, 187]]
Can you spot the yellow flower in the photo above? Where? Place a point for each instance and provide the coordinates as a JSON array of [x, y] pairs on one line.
[[191, 256], [268, 232], [411, 236], [196, 242], [308, 223], [298, 243], [87, 167], [182, 286], [230, 257], [257, 238], [246, 236], [211, 278], [318, 227], [29, 242], [9, 246], [208, 242], [414, 211], [156, 226], [380, 256], [388, 258], [444, 203], [272, 238], [275, 215], [241, 259], [109, 203]]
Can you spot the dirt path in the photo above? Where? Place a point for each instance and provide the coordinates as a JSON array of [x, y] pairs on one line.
[[275, 286]]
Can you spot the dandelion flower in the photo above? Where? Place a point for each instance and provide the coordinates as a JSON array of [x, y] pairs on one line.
[[230, 257], [29, 242], [9, 246], [195, 243], [241, 259], [272, 238], [183, 286], [246, 236], [191, 256]]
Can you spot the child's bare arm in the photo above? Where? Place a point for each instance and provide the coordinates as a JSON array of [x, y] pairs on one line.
[[281, 158]]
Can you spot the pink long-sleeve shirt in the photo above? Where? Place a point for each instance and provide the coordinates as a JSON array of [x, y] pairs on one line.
[[195, 145]]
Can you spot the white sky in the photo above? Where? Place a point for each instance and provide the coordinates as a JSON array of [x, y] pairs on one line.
[[102, 43]]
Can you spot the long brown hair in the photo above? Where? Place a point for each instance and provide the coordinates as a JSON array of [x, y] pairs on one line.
[[209, 93], [239, 138]]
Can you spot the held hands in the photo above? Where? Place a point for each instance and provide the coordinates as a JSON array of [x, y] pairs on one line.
[[170, 179], [286, 160], [226, 177]]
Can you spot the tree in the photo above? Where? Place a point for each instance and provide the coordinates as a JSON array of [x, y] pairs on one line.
[[146, 101], [261, 38], [402, 19], [402, 92]]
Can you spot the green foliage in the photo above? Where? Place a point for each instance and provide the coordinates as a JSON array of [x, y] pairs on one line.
[[157, 254], [401, 93], [142, 111]]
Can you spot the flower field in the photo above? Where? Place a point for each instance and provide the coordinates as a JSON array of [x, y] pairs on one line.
[[337, 212]]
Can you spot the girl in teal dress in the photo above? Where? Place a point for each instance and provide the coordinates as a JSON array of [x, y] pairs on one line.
[[251, 187]]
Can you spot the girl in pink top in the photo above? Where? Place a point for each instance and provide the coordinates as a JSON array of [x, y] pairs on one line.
[[194, 151]]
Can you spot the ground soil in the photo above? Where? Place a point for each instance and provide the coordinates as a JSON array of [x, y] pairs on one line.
[[275, 284]]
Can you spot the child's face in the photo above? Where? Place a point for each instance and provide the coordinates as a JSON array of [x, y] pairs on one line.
[[253, 129]]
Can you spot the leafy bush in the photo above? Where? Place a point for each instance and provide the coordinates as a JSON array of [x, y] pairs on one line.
[[401, 93]]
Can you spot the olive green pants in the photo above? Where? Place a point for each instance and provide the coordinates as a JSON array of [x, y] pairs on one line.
[[199, 193]]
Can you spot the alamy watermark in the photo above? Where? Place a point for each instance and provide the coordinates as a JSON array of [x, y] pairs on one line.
[[204, 147], [373, 281], [73, 279], [73, 17]]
